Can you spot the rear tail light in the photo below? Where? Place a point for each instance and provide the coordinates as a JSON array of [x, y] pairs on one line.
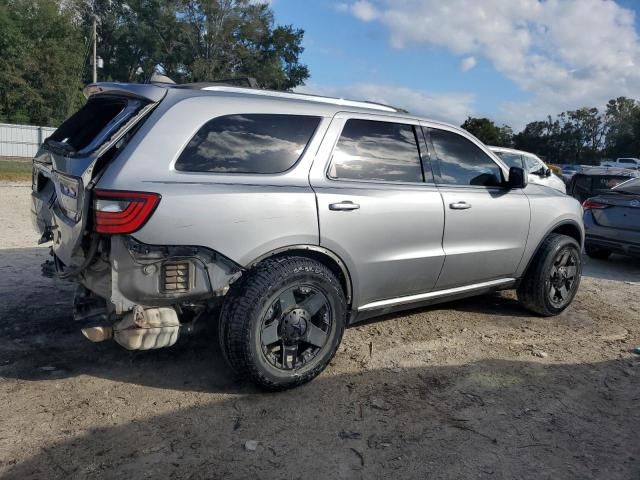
[[119, 212], [589, 204]]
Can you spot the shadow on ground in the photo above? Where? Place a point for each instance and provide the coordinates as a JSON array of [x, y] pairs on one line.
[[490, 419], [617, 267], [39, 340]]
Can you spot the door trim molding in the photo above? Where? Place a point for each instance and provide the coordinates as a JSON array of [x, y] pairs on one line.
[[391, 302]]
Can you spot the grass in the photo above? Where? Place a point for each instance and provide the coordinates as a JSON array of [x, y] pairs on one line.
[[15, 169]]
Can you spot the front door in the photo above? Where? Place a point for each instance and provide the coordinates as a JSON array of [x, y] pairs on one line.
[[486, 223], [375, 209]]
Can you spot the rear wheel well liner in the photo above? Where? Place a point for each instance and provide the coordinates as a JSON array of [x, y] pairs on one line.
[[320, 254]]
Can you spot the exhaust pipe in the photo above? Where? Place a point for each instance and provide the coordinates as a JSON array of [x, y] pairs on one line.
[[98, 334]]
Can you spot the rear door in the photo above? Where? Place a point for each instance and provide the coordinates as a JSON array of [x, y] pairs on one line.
[[486, 224], [377, 209]]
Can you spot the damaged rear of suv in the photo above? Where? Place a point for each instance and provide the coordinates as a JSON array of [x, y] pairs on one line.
[[288, 215], [140, 295]]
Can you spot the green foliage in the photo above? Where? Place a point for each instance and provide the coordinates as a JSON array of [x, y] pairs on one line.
[[623, 128], [44, 47], [194, 41], [585, 135], [15, 169], [41, 56], [488, 132], [582, 136]]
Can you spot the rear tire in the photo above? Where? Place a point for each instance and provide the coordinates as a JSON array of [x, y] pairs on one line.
[[282, 323], [597, 253], [553, 277]]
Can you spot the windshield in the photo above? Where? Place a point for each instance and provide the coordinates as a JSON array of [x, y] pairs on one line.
[[511, 159], [631, 186]]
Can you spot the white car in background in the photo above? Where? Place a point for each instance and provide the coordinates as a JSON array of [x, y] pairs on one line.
[[538, 171], [628, 162]]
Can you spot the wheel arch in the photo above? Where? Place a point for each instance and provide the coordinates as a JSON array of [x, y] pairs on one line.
[[320, 254], [570, 228]]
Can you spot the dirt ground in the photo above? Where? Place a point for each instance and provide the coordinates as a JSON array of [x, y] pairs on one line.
[[471, 389]]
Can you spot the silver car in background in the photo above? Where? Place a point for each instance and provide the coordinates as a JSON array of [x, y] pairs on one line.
[[286, 217], [537, 170]]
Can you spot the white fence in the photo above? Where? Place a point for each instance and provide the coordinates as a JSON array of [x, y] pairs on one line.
[[21, 140]]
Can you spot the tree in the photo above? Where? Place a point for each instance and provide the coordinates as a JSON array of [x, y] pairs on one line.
[[194, 40], [620, 117], [488, 132], [586, 130], [539, 137], [41, 58], [575, 136]]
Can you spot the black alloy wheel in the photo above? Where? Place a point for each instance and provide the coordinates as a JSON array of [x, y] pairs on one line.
[[295, 327]]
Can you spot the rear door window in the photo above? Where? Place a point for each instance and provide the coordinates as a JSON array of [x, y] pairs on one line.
[[377, 151], [248, 143], [462, 162]]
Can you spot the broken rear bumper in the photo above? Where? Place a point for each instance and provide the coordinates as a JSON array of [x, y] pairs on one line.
[[127, 273]]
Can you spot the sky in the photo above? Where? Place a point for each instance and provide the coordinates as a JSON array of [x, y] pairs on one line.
[[514, 61]]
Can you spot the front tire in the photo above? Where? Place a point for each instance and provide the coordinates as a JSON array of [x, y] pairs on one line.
[[282, 323], [553, 277]]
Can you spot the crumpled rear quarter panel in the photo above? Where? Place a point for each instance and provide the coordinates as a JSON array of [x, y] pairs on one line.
[[241, 216]]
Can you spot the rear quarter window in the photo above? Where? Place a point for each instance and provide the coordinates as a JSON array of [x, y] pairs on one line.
[[80, 130], [248, 143]]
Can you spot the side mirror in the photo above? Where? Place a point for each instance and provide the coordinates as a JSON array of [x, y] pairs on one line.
[[517, 178], [547, 172]]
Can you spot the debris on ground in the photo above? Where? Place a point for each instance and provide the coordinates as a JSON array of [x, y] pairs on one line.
[[251, 445]]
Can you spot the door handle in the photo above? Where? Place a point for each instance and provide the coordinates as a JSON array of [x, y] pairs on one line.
[[344, 206], [459, 205]]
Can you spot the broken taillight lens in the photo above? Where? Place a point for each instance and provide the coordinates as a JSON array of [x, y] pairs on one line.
[[119, 212]]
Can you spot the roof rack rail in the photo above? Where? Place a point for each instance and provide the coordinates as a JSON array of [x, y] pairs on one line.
[[247, 82], [397, 109], [299, 96]]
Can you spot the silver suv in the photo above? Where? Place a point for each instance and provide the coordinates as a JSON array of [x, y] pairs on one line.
[[288, 217]]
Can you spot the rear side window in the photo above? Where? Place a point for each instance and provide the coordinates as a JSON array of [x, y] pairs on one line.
[[373, 150], [630, 186], [248, 143], [461, 162], [582, 187], [604, 183], [83, 127]]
